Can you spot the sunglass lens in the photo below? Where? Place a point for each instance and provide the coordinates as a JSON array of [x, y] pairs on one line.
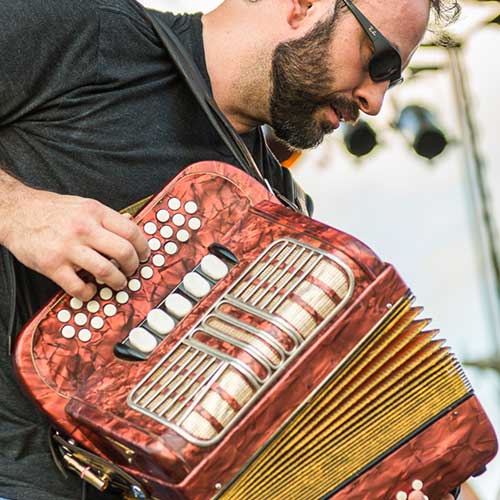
[[385, 66]]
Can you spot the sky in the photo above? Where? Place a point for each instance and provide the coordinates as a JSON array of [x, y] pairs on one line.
[[417, 214]]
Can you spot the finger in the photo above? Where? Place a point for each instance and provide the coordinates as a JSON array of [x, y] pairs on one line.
[[100, 267], [72, 284], [417, 495], [115, 247], [128, 229]]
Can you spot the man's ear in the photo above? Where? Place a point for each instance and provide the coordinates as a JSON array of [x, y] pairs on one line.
[[297, 11]]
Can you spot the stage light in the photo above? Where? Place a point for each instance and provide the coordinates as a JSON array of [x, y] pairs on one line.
[[420, 128], [360, 138]]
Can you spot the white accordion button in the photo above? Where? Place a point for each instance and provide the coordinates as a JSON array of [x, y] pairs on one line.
[[106, 293], [150, 228], [93, 306], [194, 223], [213, 267], [174, 204], [154, 244], [162, 215], [80, 319], [182, 235], [178, 219], [84, 335], [177, 305], [417, 485], [170, 248], [142, 340], [158, 260], [401, 495], [96, 322], [134, 285], [147, 272], [109, 310], [75, 303], [122, 297], [190, 207], [196, 285], [68, 332], [160, 322], [63, 315], [166, 232]]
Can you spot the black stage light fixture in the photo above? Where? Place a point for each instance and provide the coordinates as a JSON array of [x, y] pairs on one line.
[[360, 138], [420, 128]]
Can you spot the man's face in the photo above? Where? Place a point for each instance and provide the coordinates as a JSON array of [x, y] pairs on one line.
[[302, 87], [322, 78]]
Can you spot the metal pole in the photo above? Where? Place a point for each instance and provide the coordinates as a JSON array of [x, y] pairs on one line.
[[483, 216]]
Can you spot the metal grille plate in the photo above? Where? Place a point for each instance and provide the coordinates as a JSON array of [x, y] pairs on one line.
[[245, 340]]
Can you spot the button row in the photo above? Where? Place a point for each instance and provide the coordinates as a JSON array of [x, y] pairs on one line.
[[162, 320], [174, 204], [163, 215], [166, 232], [68, 332]]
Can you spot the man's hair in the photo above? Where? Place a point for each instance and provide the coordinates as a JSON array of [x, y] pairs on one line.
[[445, 11]]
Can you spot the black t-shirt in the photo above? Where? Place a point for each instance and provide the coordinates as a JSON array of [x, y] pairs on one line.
[[91, 105]]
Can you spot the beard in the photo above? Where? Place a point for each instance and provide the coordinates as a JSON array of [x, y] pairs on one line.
[[301, 87]]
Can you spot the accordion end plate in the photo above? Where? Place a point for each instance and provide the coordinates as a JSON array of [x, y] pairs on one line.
[[444, 450]]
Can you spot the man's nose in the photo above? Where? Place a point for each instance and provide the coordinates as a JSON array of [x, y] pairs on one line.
[[370, 95]]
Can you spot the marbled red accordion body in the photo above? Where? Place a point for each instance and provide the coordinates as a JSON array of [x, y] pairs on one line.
[[85, 389]]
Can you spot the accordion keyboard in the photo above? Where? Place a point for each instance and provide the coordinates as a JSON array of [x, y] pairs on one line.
[[171, 228]]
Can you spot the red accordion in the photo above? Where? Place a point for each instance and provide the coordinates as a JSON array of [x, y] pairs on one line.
[[257, 355]]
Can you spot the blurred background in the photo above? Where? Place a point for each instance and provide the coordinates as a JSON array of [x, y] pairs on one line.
[[420, 184]]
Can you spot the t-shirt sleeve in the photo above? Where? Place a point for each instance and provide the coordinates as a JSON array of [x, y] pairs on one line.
[[47, 48]]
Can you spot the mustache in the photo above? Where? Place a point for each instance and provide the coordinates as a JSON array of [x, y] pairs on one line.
[[345, 107]]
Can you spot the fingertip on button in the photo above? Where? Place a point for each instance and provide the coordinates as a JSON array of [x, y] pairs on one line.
[[145, 257], [91, 289], [121, 286]]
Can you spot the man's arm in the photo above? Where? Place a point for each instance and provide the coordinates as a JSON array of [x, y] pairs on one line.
[[59, 235]]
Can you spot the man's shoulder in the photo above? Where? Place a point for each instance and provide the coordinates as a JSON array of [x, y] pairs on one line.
[[38, 12], [136, 11], [130, 8]]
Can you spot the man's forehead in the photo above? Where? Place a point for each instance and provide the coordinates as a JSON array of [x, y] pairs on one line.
[[402, 22]]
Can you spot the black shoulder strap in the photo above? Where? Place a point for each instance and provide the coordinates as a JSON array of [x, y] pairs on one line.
[[193, 78], [298, 200]]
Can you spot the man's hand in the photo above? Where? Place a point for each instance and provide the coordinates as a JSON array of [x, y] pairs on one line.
[[418, 495], [59, 235]]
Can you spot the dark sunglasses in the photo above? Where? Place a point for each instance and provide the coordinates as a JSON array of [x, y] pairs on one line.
[[385, 64]]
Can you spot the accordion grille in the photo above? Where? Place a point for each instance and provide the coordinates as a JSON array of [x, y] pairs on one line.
[[295, 283], [399, 375], [226, 361], [180, 391]]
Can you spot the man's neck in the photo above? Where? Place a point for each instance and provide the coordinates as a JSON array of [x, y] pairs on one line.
[[238, 65]]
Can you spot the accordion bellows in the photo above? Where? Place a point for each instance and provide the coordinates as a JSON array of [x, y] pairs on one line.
[[302, 371]]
